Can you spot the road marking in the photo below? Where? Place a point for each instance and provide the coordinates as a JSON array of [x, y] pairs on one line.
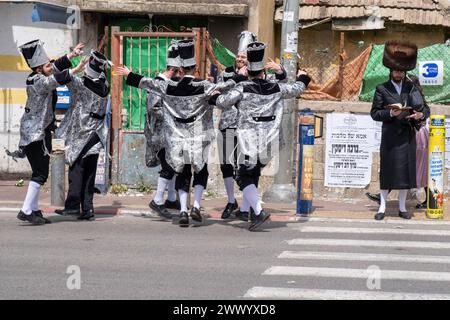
[[297, 293], [375, 231], [347, 256], [356, 273], [371, 243], [385, 221]]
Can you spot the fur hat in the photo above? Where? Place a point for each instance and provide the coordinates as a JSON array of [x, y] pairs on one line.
[[400, 55]]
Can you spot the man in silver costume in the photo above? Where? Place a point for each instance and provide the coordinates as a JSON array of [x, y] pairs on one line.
[[188, 125], [260, 109], [38, 121], [156, 146], [85, 133], [227, 142]]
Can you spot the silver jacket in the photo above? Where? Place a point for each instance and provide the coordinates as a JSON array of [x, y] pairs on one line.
[[39, 112], [260, 110], [85, 117], [229, 116], [154, 125], [188, 119]]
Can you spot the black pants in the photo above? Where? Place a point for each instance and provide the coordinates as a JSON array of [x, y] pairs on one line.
[[37, 158], [248, 175], [166, 170], [184, 178], [226, 150], [82, 179]]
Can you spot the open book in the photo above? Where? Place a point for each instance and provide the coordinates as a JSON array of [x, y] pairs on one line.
[[398, 106]]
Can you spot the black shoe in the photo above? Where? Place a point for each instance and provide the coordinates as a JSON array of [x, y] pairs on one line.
[[160, 210], [380, 216], [405, 215], [39, 214], [32, 218], [87, 215], [373, 197], [196, 215], [226, 214], [68, 212], [241, 215], [259, 220], [184, 220], [172, 205]]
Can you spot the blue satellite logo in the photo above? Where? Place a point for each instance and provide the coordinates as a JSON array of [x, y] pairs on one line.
[[431, 70]]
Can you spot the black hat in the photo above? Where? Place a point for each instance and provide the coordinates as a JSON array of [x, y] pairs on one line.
[[173, 55], [34, 53], [400, 55], [186, 49], [98, 64], [255, 56]]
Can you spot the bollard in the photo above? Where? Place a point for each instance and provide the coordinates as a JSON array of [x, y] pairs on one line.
[[58, 174], [436, 162], [310, 127]]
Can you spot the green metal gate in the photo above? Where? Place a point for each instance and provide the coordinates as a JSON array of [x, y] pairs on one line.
[[144, 53]]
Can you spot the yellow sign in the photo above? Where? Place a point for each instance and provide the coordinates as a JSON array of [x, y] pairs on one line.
[[436, 164]]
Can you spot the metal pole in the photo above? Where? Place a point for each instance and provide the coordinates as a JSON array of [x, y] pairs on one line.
[[283, 189], [58, 179]]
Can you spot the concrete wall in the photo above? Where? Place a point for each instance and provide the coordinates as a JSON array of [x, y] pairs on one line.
[[16, 28]]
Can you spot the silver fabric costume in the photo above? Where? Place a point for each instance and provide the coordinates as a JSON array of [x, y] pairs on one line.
[[154, 126], [229, 116], [39, 113], [187, 142], [82, 120], [256, 136]]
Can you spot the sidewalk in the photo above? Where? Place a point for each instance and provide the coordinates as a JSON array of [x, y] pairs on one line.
[[11, 198]]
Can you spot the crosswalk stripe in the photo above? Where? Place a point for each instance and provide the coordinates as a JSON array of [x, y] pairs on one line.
[[370, 243], [375, 231], [371, 221], [351, 256], [298, 293], [357, 273]]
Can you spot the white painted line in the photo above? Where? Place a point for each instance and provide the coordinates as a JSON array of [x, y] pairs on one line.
[[373, 257], [370, 243], [10, 209], [375, 231], [312, 294], [357, 273], [385, 221]]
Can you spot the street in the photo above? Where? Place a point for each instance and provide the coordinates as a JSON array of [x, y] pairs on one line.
[[125, 257]]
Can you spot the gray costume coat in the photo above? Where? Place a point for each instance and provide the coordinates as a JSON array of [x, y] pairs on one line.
[[188, 117], [85, 117], [39, 113], [260, 109]]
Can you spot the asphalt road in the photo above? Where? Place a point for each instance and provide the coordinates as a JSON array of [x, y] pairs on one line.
[[140, 258]]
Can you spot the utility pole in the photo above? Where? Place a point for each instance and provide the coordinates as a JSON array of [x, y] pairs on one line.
[[283, 190]]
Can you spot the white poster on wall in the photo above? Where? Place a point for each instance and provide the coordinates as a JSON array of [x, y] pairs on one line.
[[350, 141]]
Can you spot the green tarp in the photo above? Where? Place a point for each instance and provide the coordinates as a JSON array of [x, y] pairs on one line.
[[223, 55], [376, 73]]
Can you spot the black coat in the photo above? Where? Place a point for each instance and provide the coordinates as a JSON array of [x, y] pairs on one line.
[[398, 139]]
